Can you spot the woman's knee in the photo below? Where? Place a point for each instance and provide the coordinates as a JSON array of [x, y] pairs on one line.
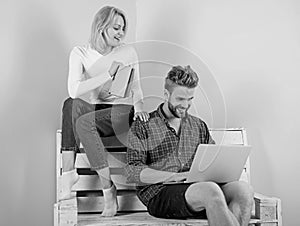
[[67, 105], [84, 123]]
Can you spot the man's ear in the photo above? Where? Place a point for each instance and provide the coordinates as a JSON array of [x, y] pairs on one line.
[[166, 94]]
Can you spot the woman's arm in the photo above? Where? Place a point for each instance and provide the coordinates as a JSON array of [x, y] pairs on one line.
[[78, 84]]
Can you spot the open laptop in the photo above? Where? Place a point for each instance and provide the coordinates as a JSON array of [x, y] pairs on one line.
[[217, 163]]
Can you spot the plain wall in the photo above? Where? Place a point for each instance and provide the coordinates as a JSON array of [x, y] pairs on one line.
[[252, 49], [36, 39]]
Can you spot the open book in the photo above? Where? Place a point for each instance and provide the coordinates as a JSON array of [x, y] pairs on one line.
[[122, 82]]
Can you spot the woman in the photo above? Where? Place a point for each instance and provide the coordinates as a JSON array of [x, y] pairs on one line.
[[92, 112]]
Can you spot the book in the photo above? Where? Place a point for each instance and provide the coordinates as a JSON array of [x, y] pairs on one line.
[[121, 84]]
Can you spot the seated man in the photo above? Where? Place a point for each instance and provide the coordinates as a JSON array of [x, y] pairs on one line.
[[162, 150]]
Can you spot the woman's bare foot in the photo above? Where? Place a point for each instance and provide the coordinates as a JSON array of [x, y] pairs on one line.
[[68, 180], [110, 202]]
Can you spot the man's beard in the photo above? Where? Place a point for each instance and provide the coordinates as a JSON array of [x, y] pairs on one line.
[[176, 112]]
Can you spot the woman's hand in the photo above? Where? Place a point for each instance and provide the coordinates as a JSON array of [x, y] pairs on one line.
[[142, 115], [114, 68]]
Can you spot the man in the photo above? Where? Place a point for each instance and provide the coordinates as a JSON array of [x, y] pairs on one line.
[[162, 150]]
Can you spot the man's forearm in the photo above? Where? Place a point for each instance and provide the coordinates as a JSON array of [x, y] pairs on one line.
[[152, 176]]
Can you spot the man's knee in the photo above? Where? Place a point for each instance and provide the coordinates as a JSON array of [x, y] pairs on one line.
[[205, 194], [244, 193], [241, 192]]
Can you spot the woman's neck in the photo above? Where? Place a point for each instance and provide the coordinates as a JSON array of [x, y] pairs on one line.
[[106, 51]]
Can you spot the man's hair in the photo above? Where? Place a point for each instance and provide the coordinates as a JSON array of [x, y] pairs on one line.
[[101, 20], [181, 76]]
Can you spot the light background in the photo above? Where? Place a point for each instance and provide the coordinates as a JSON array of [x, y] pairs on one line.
[[252, 48]]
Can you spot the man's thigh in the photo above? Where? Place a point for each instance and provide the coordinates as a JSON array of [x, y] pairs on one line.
[[170, 202]]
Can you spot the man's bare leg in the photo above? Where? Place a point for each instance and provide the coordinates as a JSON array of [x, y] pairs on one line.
[[239, 196], [209, 196]]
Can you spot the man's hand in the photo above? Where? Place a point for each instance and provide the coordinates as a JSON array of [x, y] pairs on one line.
[[114, 68], [177, 177]]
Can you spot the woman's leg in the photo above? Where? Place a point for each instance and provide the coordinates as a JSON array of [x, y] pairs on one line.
[[90, 128], [72, 109]]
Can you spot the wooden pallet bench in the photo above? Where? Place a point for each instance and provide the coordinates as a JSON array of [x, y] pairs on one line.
[[87, 204]]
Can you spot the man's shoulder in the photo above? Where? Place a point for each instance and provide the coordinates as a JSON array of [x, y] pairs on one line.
[[152, 117], [195, 119]]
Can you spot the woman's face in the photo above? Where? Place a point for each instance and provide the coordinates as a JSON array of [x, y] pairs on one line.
[[114, 32]]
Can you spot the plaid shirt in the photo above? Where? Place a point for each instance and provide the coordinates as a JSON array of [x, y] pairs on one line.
[[156, 145]]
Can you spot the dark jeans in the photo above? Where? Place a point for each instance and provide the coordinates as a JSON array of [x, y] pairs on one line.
[[87, 123]]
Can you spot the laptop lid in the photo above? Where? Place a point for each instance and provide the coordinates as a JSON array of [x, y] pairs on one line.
[[218, 163]]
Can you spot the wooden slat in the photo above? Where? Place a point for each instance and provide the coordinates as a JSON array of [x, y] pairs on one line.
[[230, 136], [95, 203], [92, 182], [67, 212], [115, 159], [140, 219], [135, 219], [58, 164]]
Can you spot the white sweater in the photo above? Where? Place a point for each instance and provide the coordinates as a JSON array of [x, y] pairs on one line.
[[88, 75]]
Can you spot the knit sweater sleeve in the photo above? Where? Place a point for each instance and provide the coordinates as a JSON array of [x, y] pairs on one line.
[[78, 83]]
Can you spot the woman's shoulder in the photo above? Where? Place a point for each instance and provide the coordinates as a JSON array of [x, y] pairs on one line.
[[81, 50]]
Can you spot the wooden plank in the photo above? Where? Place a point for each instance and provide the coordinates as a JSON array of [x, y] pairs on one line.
[[279, 213], [265, 208], [227, 136], [96, 204], [58, 164], [246, 172], [92, 182], [55, 215], [115, 159], [67, 212], [139, 219], [260, 198]]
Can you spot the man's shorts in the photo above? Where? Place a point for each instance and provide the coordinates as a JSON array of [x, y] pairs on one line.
[[170, 203]]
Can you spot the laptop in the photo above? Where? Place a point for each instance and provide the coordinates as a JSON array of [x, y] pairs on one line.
[[121, 84], [217, 163]]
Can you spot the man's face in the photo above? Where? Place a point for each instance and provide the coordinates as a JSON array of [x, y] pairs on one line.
[[180, 100]]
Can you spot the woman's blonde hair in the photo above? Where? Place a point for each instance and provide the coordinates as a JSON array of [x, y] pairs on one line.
[[101, 20]]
